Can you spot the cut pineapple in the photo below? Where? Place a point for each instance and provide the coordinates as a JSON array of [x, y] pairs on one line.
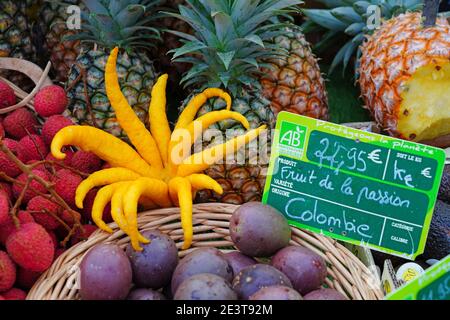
[[425, 110]]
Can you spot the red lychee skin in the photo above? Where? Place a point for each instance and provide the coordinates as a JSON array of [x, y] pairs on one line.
[[88, 204], [32, 147], [67, 160], [6, 164], [50, 101], [14, 294], [1, 298], [59, 252], [7, 188], [78, 236], [66, 183], [86, 162], [20, 123], [7, 272], [4, 207], [9, 227], [106, 165], [7, 96], [54, 239], [34, 185], [31, 247], [52, 125], [26, 278], [43, 212]]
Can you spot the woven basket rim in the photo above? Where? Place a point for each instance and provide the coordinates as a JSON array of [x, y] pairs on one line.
[[346, 273]]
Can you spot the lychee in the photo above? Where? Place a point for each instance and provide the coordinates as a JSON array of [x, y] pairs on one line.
[[52, 125], [7, 166], [54, 239], [66, 183], [26, 278], [7, 228], [59, 252], [20, 123], [69, 154], [7, 96], [7, 272], [33, 187], [86, 162], [44, 212], [4, 207], [6, 187], [79, 235], [14, 294], [50, 100], [31, 247], [32, 147], [2, 131]]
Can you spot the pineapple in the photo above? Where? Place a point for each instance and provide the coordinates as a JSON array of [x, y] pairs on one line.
[[405, 77], [266, 66], [108, 24], [52, 24], [347, 21], [15, 36], [295, 83]]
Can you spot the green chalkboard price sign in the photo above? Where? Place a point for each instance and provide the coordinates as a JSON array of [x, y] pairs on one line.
[[356, 186], [434, 284]]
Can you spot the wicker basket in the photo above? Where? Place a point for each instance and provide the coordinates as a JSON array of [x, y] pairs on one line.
[[211, 221]]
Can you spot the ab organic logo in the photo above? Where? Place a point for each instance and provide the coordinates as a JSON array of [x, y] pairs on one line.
[[292, 139]]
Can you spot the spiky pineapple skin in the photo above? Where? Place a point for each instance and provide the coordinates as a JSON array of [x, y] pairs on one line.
[[15, 37], [294, 83], [241, 176], [52, 24], [389, 59], [136, 76]]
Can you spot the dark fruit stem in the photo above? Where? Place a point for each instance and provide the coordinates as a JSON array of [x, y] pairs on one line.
[[430, 12]]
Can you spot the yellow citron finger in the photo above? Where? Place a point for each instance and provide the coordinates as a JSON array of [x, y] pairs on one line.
[[156, 190], [139, 136], [189, 113], [102, 198], [183, 189], [202, 123], [106, 146], [201, 161], [117, 213], [202, 181], [101, 178], [159, 125]]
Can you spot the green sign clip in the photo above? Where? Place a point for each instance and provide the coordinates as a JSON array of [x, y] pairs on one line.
[[434, 284], [352, 185]]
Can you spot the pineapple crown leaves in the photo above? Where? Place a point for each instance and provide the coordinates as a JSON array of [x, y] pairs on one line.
[[122, 23], [232, 38], [347, 20]]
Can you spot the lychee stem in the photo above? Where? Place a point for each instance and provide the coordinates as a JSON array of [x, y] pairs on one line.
[[19, 200], [27, 169]]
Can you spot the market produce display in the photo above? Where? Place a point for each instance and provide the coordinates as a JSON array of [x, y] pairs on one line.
[[265, 66], [38, 220], [203, 274], [114, 109]]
